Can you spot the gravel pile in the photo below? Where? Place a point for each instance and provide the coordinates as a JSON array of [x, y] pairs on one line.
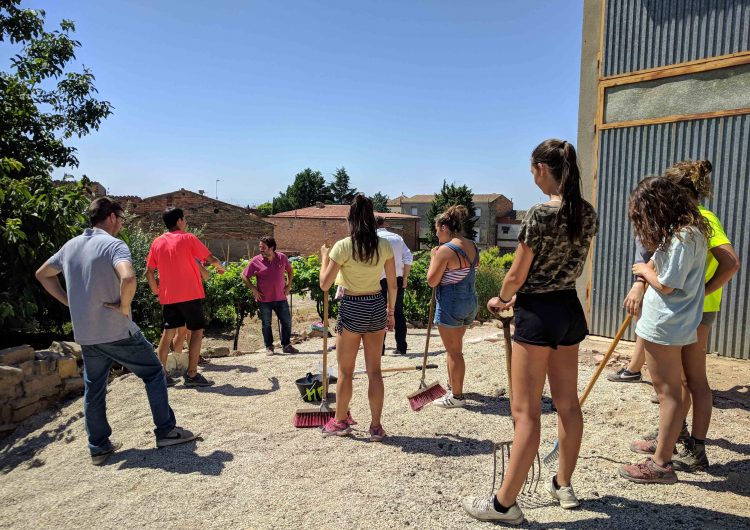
[[253, 469]]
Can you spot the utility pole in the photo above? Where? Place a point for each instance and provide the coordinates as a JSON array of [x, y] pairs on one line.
[[217, 188]]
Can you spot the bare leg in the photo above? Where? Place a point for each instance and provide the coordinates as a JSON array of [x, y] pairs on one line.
[[639, 356], [347, 345], [163, 349], [453, 341], [563, 381], [178, 343], [694, 368], [373, 343], [664, 364], [528, 375], [194, 351]]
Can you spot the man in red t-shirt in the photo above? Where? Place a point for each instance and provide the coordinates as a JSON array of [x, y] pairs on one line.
[[273, 277], [175, 255]]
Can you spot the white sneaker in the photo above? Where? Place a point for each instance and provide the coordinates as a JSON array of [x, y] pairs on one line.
[[449, 402], [484, 510], [564, 494]]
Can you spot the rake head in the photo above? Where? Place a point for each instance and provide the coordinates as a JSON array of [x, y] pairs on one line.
[[550, 459], [533, 478]]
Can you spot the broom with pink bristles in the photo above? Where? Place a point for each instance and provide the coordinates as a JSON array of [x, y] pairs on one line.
[[319, 417], [426, 393]]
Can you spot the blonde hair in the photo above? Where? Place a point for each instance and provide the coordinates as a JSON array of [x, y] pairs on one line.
[[453, 218], [693, 176]]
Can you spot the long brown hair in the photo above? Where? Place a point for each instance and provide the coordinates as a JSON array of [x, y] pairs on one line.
[[693, 176], [561, 159], [659, 208], [363, 230]]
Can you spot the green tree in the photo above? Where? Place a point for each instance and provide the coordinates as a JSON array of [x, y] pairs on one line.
[[306, 281], [380, 203], [228, 289], [36, 218], [265, 209], [41, 104], [451, 195], [308, 188], [340, 190]]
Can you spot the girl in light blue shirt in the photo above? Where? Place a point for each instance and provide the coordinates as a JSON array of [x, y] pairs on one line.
[[668, 224]]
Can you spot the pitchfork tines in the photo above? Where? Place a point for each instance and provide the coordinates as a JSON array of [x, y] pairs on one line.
[[533, 477]]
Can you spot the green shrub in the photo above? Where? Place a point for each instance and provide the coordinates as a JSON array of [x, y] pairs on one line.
[[417, 294], [306, 282]]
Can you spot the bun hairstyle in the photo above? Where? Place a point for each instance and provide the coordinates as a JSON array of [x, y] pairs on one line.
[[561, 159], [453, 218], [693, 176], [659, 208], [363, 230]]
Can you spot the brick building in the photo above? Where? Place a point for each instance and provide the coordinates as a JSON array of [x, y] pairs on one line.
[[487, 208], [230, 232], [303, 231]]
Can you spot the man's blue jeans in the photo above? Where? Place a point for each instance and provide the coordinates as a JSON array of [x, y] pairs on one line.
[[281, 308], [137, 355]]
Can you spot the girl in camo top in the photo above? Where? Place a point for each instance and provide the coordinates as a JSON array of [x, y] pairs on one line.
[[549, 325]]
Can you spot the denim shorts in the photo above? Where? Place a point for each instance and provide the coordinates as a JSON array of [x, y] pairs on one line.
[[456, 305]]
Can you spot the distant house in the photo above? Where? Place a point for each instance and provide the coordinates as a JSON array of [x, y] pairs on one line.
[[230, 232], [303, 231], [488, 207]]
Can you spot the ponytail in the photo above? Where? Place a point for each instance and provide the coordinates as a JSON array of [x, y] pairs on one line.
[[561, 159], [692, 176], [363, 230]]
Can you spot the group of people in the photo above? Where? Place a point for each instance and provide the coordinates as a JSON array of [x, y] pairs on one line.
[[685, 259]]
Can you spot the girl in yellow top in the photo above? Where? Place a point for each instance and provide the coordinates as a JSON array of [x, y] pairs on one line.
[[356, 263]]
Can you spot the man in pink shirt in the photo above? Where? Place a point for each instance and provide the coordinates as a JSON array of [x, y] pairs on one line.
[[273, 276], [175, 255]]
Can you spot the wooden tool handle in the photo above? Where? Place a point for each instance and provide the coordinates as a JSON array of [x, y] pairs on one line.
[[325, 344], [508, 355], [406, 368], [620, 333], [429, 330]]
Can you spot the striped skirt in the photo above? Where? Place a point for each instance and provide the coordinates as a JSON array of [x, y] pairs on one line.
[[362, 314]]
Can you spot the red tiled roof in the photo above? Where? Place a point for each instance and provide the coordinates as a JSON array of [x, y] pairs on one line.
[[477, 197], [335, 211]]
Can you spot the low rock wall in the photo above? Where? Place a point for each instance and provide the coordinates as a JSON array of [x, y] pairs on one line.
[[31, 381]]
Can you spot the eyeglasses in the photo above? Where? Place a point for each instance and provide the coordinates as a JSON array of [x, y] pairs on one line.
[[122, 217]]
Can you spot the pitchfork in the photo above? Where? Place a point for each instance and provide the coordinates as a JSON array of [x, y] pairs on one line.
[[534, 476]]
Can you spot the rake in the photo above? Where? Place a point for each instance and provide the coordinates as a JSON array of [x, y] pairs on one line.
[[551, 458], [534, 475], [319, 417], [426, 394]]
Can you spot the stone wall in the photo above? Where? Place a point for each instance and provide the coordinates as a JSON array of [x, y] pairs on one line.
[[227, 230], [31, 381]]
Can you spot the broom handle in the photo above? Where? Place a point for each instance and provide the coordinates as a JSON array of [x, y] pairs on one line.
[[325, 346], [427, 339], [620, 333], [508, 353], [405, 368]]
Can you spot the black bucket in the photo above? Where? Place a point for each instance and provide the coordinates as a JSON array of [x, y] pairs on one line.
[[311, 387]]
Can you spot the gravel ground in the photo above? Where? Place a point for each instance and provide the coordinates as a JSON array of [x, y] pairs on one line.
[[253, 469]]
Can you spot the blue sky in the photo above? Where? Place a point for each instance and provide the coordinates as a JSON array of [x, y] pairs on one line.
[[403, 94]]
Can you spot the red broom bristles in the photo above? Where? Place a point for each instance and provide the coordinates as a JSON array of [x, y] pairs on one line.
[[305, 418], [423, 397]]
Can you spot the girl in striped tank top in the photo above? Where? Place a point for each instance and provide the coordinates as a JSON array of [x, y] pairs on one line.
[[452, 273]]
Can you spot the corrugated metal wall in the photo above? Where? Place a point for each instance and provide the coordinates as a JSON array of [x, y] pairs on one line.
[[641, 34], [628, 154]]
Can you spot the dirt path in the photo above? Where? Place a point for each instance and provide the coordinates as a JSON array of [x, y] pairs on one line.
[[254, 470]]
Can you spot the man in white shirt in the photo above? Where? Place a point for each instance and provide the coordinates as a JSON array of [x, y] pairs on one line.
[[402, 256]]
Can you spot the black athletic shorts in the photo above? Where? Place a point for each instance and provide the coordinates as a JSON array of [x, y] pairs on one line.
[[549, 319], [188, 314]]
